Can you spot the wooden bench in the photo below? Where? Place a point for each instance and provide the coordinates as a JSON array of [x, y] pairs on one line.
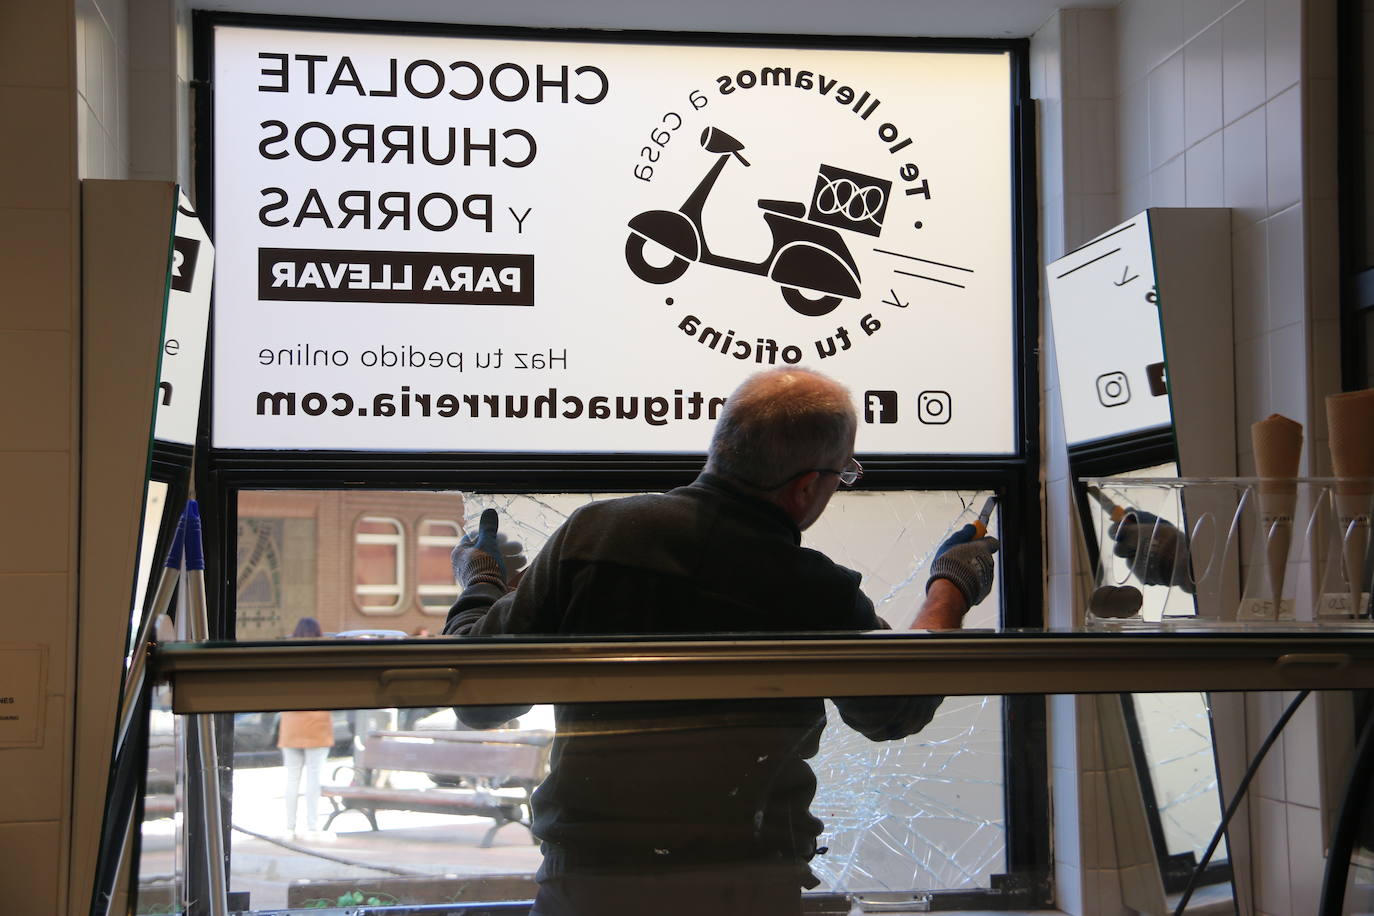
[[493, 774]]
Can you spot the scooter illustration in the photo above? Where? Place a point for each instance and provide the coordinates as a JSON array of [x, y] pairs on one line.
[[809, 261]]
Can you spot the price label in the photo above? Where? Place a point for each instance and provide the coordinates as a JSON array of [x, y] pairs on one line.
[[1339, 605]]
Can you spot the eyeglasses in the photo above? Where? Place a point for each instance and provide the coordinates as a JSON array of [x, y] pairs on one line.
[[849, 474]]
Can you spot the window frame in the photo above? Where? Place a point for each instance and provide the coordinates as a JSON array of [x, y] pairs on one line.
[[1015, 478]]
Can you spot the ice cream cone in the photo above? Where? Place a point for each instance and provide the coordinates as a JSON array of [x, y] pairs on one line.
[[1278, 452]]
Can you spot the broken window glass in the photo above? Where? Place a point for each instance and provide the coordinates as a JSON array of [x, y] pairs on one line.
[[921, 813]]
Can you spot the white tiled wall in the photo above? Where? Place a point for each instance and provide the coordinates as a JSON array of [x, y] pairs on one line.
[[63, 90], [159, 90], [1216, 103], [1213, 91], [102, 88], [1082, 154], [1258, 80], [38, 439], [133, 72]]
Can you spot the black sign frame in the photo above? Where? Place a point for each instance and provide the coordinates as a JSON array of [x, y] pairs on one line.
[[222, 473]]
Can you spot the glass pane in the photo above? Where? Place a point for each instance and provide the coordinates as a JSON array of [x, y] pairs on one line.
[[1154, 598], [891, 537], [277, 558], [923, 812], [159, 887], [888, 536], [1357, 839], [154, 505], [1175, 734], [708, 782], [1176, 731]]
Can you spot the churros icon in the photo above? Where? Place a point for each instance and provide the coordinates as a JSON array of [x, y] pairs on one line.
[[1278, 451], [1350, 425]]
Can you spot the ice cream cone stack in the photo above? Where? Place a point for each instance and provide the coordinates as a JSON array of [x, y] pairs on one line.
[[1278, 450], [1350, 424]]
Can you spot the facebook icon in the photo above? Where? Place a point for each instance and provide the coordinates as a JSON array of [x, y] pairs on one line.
[[880, 407]]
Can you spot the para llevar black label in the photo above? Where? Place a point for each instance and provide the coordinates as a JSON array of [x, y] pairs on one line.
[[424, 277]]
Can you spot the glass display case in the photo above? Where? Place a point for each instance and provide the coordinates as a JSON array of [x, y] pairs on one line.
[[1174, 551]]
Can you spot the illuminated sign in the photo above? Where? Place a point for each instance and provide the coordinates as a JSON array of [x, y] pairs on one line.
[[433, 242]]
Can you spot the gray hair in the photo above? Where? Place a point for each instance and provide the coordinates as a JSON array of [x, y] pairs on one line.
[[779, 423]]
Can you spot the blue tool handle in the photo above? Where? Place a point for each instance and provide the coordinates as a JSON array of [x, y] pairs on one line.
[[195, 550], [178, 544]]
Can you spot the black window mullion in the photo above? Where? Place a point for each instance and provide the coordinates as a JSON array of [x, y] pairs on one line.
[[1026, 800], [1025, 744], [1357, 275]]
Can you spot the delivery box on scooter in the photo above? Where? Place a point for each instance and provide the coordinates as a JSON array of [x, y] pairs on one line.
[[849, 200]]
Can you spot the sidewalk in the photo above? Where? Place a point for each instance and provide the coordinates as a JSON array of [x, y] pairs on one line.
[[409, 843]]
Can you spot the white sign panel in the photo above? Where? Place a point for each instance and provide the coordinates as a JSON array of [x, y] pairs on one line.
[[183, 339], [482, 244], [1107, 339]]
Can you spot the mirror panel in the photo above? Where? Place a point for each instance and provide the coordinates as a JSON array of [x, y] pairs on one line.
[[147, 276], [126, 229], [1108, 346], [1142, 352]]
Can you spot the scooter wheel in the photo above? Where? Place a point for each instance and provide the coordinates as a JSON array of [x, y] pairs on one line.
[[806, 305], [652, 273]]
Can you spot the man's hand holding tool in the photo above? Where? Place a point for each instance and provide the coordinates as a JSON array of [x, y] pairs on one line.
[[1154, 549], [965, 558], [487, 557]]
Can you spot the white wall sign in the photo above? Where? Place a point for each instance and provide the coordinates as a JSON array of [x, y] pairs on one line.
[[482, 244], [21, 694], [183, 338], [1108, 344]]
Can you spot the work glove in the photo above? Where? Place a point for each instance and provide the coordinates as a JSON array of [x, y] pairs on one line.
[[967, 563], [513, 556], [1154, 549], [482, 557]]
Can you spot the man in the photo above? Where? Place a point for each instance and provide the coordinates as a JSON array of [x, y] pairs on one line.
[[701, 807]]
